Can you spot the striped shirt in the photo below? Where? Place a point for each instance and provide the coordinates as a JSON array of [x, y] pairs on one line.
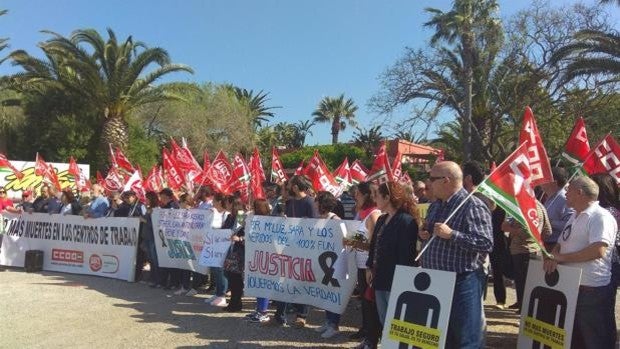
[[472, 234]]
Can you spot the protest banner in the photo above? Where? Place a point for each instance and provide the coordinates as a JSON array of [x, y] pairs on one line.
[[71, 244], [297, 260], [15, 187], [548, 309], [216, 245], [419, 308]]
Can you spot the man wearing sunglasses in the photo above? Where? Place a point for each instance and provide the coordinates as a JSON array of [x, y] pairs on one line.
[[6, 203], [586, 242]]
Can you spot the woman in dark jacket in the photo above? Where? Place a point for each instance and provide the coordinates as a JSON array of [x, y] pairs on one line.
[[235, 221], [393, 241]]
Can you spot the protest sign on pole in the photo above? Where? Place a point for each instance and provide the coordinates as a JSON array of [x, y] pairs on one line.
[[71, 244], [419, 308], [296, 260], [548, 310]]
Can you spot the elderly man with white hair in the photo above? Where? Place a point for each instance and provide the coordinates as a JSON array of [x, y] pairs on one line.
[[586, 242]]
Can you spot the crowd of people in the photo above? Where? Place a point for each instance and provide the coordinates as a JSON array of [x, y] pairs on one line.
[[578, 221]]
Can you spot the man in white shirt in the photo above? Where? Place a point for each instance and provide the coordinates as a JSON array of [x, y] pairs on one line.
[[586, 242]]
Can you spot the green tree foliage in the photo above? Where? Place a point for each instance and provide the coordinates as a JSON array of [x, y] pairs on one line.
[[338, 112], [333, 155], [368, 139], [256, 103]]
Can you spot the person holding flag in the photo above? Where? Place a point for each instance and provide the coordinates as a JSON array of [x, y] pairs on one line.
[[464, 242]]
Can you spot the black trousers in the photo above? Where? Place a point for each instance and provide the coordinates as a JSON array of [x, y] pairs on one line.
[[235, 284], [370, 316]]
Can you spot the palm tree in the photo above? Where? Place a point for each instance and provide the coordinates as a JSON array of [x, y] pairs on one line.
[[4, 42], [110, 76], [593, 52], [338, 112], [256, 103], [368, 139], [303, 129]]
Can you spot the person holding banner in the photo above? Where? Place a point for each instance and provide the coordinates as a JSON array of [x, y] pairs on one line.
[[220, 216], [462, 246], [586, 242], [99, 205], [234, 271], [6, 203], [555, 204], [393, 240]]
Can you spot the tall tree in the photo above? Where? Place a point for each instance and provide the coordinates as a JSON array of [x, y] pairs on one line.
[[368, 138], [337, 111], [259, 112], [303, 129], [111, 77]]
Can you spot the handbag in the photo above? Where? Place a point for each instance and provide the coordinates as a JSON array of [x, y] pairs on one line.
[[235, 258]]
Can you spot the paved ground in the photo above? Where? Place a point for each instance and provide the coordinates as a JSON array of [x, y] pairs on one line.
[[52, 310]]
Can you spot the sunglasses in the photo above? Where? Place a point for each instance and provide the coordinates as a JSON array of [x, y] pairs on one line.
[[432, 178], [2, 192]]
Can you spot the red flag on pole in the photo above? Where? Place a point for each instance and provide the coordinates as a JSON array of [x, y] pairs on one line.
[[380, 171], [113, 181], [122, 161], [538, 160], [397, 166], [277, 170], [47, 171], [135, 184], [510, 186], [100, 179], [185, 160], [358, 172], [221, 174], [605, 158], [256, 166], [322, 179], [4, 162], [171, 171], [206, 162], [300, 169], [81, 182], [342, 175], [241, 177], [154, 181], [577, 146]]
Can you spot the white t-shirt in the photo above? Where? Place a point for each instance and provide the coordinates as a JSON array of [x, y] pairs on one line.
[[594, 224]]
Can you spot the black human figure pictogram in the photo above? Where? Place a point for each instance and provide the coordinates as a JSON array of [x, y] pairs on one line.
[[547, 300], [418, 305]]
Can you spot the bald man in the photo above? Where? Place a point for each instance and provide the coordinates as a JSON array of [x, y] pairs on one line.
[[461, 246]]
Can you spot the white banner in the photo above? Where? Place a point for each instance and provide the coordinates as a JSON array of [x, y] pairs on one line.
[[216, 245], [548, 309], [297, 260], [419, 308], [71, 244], [15, 187]]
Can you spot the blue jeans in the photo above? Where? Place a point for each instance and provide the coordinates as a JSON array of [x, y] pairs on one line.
[[300, 309], [332, 318], [595, 324], [465, 329], [221, 282], [382, 298], [262, 305]]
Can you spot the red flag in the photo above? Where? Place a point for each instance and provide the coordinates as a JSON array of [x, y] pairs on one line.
[[493, 166], [405, 179], [135, 184], [300, 169], [122, 161], [100, 179], [440, 156], [171, 171], [380, 170], [605, 158], [241, 177], [185, 160], [277, 170], [47, 171], [256, 166], [397, 166], [577, 146], [539, 162], [206, 163], [112, 156], [4, 162], [358, 172], [154, 180], [510, 186], [342, 175], [81, 182], [221, 174], [322, 179], [113, 181]]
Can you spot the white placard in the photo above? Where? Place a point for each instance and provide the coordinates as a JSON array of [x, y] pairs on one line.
[[419, 308], [71, 244], [296, 260], [548, 309]]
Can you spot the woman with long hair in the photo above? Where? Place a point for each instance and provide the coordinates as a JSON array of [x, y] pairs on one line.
[[220, 216], [393, 241]]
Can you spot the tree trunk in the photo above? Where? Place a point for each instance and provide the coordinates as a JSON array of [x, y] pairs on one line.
[[115, 131], [335, 130]]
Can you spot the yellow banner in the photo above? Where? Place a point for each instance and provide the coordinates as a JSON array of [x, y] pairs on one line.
[[544, 333], [416, 335]]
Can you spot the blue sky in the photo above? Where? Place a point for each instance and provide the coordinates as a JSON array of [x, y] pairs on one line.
[[298, 51]]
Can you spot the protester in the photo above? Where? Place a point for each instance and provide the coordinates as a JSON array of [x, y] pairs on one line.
[[419, 190], [555, 204], [524, 247], [461, 246], [40, 203], [53, 203], [148, 238], [261, 208], [204, 197], [587, 242], [27, 203], [220, 215], [134, 208], [99, 205], [116, 209], [170, 277], [70, 205], [393, 241], [368, 213], [6, 203], [299, 205], [235, 277]]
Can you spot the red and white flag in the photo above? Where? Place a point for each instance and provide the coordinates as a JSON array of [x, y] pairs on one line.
[[257, 176], [135, 184], [172, 173], [185, 160], [510, 186], [539, 162], [122, 161], [5, 163], [300, 169], [113, 180], [241, 177], [342, 175], [405, 179], [397, 166], [81, 182], [277, 170], [221, 174], [359, 173], [154, 181], [47, 171], [604, 158], [100, 179], [321, 177], [577, 146], [380, 171]]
